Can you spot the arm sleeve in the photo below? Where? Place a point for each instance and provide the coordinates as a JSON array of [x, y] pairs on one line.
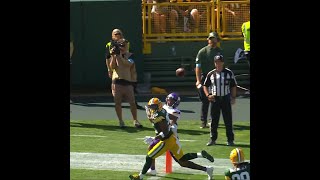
[[199, 57], [124, 61]]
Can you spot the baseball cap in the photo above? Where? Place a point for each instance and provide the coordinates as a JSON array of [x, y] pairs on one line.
[[218, 57], [115, 31], [213, 34]]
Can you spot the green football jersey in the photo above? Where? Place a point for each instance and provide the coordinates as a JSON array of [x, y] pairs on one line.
[[240, 173], [160, 116]]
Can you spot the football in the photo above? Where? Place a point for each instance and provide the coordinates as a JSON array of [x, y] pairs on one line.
[[180, 72]]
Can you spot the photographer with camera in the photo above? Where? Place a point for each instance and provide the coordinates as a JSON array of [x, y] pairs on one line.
[[124, 77], [117, 35]]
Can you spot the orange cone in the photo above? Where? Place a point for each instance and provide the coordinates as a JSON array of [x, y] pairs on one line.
[[168, 162]]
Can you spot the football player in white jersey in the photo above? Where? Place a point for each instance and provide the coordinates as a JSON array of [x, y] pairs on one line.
[[174, 113], [171, 106]]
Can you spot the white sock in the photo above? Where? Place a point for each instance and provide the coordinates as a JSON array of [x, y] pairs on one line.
[[199, 154], [141, 175]]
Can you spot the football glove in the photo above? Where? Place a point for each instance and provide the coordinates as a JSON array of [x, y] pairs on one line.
[[148, 140]]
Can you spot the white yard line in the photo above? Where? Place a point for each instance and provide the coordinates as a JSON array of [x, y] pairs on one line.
[[134, 163], [98, 136], [185, 140]]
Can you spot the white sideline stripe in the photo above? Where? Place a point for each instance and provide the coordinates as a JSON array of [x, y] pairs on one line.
[[84, 135], [185, 140], [134, 163], [179, 139]]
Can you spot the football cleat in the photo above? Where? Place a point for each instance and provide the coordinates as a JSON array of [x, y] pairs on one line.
[[135, 177], [237, 156], [210, 172], [207, 155], [152, 172]]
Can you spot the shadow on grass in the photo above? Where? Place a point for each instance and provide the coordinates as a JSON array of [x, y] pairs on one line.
[[140, 98], [187, 111], [99, 105], [192, 132], [236, 145], [130, 129], [237, 127], [167, 176], [241, 127], [112, 105]]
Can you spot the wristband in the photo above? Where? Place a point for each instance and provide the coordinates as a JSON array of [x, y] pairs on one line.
[[161, 134]]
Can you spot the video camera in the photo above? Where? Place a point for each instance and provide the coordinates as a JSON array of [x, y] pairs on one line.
[[116, 45]]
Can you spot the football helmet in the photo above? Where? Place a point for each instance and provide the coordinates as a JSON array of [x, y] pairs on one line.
[[173, 100], [154, 106], [237, 156]]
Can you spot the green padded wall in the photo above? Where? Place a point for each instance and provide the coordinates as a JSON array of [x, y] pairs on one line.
[[91, 23]]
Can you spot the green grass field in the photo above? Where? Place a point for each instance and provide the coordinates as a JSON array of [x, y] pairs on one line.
[[104, 136]]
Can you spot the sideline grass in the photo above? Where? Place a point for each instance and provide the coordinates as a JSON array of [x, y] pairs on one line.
[[104, 136], [84, 137]]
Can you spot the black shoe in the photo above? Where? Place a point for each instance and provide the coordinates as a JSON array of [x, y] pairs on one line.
[[207, 155], [137, 124], [122, 125], [230, 143], [203, 125], [211, 142]]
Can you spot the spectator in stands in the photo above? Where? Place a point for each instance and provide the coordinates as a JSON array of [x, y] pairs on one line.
[[115, 36], [204, 61], [123, 78], [231, 15], [159, 15], [188, 16], [163, 15]]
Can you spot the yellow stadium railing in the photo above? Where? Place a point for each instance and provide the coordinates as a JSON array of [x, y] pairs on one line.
[[233, 14], [192, 21]]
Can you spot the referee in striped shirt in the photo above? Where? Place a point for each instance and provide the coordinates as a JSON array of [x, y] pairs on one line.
[[223, 87]]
